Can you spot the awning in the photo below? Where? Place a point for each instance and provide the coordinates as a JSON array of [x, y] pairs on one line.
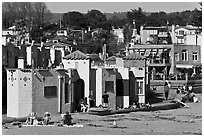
[[184, 66]]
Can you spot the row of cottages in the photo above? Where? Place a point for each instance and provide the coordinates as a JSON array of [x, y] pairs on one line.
[[59, 90]]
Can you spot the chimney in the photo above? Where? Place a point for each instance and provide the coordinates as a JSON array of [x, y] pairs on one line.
[[32, 42], [21, 62]]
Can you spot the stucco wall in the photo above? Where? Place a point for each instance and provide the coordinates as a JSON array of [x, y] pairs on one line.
[[42, 104]]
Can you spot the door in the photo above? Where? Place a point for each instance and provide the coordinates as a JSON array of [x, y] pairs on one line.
[[78, 93]]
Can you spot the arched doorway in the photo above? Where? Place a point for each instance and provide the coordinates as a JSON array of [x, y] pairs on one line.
[[78, 93]]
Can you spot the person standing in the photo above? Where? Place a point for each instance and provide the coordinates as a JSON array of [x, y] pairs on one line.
[[91, 99], [105, 99], [166, 90]]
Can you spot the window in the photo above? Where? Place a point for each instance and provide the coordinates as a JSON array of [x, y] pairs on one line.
[[109, 86], [176, 56], [140, 87], [195, 56], [181, 32], [66, 93], [184, 55], [50, 91]]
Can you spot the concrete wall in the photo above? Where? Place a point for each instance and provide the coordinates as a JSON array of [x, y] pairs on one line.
[[83, 69]]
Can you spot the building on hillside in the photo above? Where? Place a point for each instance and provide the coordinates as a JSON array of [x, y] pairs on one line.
[[62, 32], [187, 35], [155, 35], [119, 33]]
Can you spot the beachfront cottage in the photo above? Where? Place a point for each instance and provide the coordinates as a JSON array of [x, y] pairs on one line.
[[39, 91]]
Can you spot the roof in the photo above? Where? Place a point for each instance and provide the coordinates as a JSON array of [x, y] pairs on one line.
[[77, 55], [155, 28], [134, 56], [112, 58]]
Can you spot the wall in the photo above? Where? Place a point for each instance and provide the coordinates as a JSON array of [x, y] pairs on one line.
[[41, 104], [25, 92], [122, 87], [99, 87], [109, 76], [83, 69], [144, 36], [191, 39], [190, 49], [19, 93]]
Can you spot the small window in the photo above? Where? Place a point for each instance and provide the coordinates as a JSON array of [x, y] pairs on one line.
[[176, 56], [140, 68], [184, 55], [68, 62], [195, 56], [109, 86], [66, 93], [50, 91], [20, 78], [24, 84]]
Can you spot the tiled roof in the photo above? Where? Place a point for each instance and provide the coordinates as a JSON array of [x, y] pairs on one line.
[[134, 56], [77, 55]]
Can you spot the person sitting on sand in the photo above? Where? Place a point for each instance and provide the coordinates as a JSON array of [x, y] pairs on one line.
[[47, 118], [84, 106]]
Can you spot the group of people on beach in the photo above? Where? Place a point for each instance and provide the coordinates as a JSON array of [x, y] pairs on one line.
[[184, 93]]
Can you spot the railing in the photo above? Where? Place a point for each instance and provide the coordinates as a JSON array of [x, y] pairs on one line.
[[177, 77]]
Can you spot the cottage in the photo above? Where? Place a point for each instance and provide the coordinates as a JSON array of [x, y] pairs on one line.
[[38, 90]]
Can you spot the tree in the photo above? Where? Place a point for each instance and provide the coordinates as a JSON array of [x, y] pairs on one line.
[[127, 32], [22, 14], [74, 18], [95, 19], [156, 19], [138, 16], [197, 18]]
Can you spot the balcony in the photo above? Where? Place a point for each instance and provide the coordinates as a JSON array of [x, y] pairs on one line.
[[159, 62]]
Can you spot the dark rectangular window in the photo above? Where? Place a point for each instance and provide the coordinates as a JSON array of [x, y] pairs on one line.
[[109, 86], [66, 93], [50, 91]]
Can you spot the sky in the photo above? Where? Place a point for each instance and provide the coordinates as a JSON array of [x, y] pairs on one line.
[[121, 6]]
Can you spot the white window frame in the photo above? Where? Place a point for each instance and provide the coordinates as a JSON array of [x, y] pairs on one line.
[[195, 56], [185, 55]]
